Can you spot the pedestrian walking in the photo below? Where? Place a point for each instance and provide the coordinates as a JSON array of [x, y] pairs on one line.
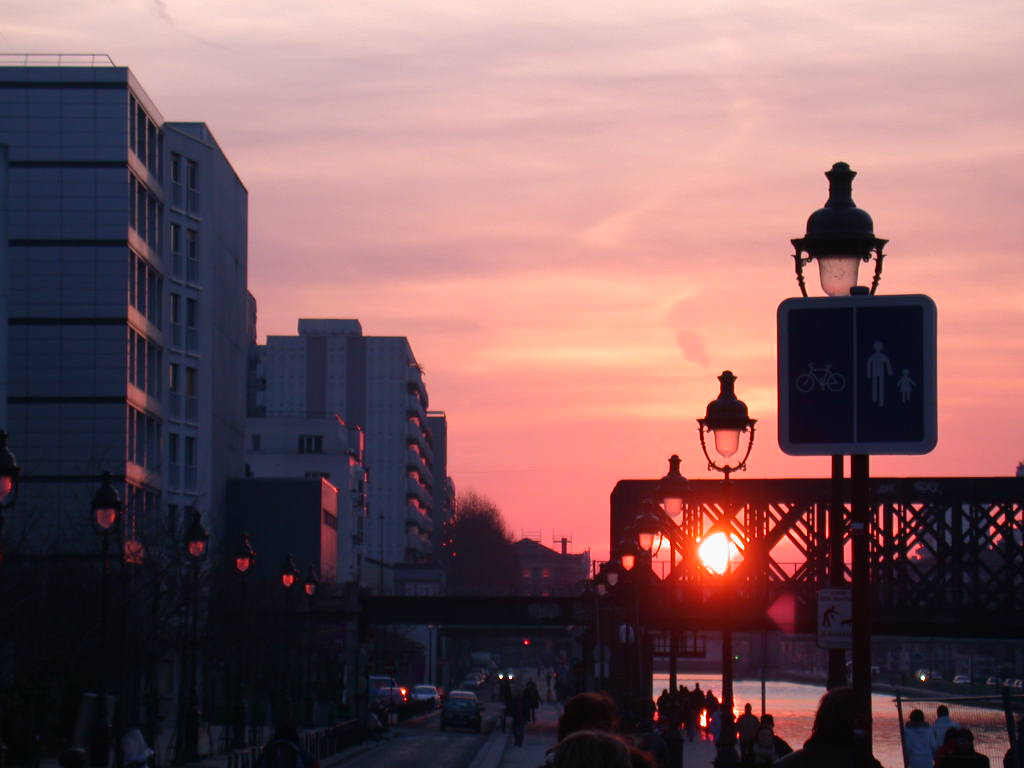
[[520, 713], [746, 727], [942, 723], [532, 699], [782, 747], [833, 742], [917, 741]]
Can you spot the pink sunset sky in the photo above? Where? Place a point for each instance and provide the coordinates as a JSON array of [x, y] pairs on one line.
[[580, 212]]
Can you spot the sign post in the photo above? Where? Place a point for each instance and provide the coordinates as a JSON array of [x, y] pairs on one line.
[[857, 376]]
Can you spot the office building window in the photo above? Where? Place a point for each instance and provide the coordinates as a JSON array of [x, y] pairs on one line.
[[191, 394], [192, 255], [191, 325], [191, 473], [311, 443], [177, 257], [192, 186]]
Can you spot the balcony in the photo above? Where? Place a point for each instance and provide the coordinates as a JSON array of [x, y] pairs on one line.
[[415, 408], [417, 435], [419, 519], [415, 489]]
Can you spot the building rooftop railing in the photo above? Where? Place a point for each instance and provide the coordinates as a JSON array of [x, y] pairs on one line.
[[56, 60]]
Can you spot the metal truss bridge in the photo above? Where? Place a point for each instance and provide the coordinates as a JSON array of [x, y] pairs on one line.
[[946, 554]]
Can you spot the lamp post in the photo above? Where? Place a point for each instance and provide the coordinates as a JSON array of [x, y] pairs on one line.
[[289, 575], [726, 418], [841, 236], [106, 518], [244, 558], [195, 547], [309, 585]]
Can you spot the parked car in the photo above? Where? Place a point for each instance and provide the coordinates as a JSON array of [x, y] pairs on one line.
[[961, 680], [385, 692], [426, 695], [992, 682], [463, 709]]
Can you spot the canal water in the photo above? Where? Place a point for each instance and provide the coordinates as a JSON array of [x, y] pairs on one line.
[[793, 706]]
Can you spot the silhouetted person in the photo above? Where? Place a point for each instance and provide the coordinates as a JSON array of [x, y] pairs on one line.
[[833, 743], [963, 754], [1014, 757], [588, 712], [917, 741], [591, 749], [942, 724], [747, 726]]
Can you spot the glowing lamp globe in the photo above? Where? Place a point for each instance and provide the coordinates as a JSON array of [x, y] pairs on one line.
[[196, 537], [628, 561], [288, 572], [839, 237], [244, 555], [106, 506]]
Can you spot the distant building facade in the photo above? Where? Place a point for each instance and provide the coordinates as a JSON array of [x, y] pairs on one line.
[[286, 516], [546, 572], [318, 448], [374, 382], [126, 251]]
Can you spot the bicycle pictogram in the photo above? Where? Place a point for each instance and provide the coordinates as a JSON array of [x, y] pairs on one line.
[[822, 377]]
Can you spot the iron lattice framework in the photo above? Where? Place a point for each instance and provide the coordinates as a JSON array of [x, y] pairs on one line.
[[946, 554]]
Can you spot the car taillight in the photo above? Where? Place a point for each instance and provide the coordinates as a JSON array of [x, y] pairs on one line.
[[405, 694]]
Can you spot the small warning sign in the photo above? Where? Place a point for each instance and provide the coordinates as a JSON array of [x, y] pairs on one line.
[[835, 618]]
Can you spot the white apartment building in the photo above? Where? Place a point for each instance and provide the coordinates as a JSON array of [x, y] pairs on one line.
[[374, 382], [126, 250], [319, 447]]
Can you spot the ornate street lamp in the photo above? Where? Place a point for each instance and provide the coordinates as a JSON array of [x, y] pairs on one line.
[[105, 515], [196, 538], [289, 573], [673, 489], [647, 526], [840, 236], [310, 583], [245, 556], [627, 556], [727, 419]]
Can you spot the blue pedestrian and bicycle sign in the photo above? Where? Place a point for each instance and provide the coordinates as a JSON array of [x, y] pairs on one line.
[[857, 375]]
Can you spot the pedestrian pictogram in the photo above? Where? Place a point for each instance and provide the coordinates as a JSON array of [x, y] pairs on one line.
[[835, 618], [857, 375]]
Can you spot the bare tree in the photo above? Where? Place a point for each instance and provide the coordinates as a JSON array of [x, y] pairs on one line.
[[477, 549]]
